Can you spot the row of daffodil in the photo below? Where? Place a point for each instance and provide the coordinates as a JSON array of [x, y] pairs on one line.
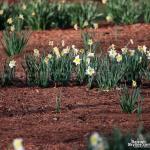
[[44, 15], [136, 60], [61, 66]]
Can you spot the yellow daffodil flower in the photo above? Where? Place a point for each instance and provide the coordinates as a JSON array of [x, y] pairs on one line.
[[119, 58], [77, 60]]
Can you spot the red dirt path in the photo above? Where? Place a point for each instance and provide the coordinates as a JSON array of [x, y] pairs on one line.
[[30, 112]]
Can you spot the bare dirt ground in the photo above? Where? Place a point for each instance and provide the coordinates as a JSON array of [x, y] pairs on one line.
[[29, 113]]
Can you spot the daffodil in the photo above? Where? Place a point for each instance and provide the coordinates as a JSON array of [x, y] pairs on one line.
[[112, 46], [140, 59], [90, 42], [1, 12], [49, 56], [124, 50], [134, 84], [112, 53], [24, 7], [119, 57], [46, 60], [9, 20], [17, 144], [104, 1], [94, 139], [95, 25], [63, 43], [109, 18], [148, 55], [36, 53], [142, 49], [21, 16], [90, 54], [90, 71], [131, 52], [65, 51], [12, 64], [76, 27], [85, 24], [51, 43], [56, 52], [33, 13], [77, 60], [88, 61], [12, 28], [75, 50]]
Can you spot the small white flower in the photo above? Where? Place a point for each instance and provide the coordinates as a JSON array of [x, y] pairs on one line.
[[21, 16], [9, 20], [12, 64], [90, 71], [63, 43], [33, 14], [56, 52], [76, 27], [17, 144], [119, 57], [95, 25], [109, 18], [85, 24], [75, 50], [51, 43], [124, 50], [142, 49], [112, 53], [49, 56], [148, 55], [65, 51], [24, 7], [36, 53], [12, 28], [104, 1], [90, 55], [88, 61], [131, 52], [90, 42], [1, 12]]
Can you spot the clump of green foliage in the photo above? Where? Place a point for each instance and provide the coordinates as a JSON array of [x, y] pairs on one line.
[[14, 42], [8, 74]]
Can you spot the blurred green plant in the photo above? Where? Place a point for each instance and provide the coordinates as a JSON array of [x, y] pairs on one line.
[[109, 73], [14, 42], [58, 103], [131, 99], [61, 68], [125, 11], [4, 13], [8, 74], [37, 70], [136, 62], [85, 14]]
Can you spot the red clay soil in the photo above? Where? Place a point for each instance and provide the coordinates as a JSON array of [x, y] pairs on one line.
[[29, 113]]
